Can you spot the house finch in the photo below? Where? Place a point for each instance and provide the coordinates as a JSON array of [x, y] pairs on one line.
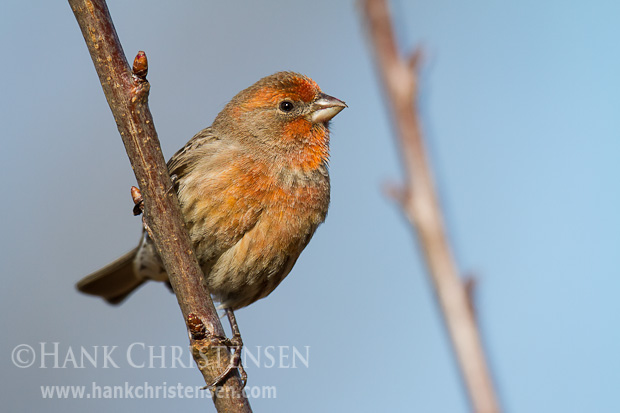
[[253, 189]]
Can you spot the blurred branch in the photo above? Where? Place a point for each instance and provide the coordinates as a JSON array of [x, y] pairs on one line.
[[470, 290], [127, 94], [419, 202]]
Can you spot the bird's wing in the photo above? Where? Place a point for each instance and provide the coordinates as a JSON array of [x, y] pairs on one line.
[[197, 147]]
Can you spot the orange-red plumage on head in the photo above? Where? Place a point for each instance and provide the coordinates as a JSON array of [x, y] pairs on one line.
[[277, 116], [294, 86], [271, 90], [275, 88]]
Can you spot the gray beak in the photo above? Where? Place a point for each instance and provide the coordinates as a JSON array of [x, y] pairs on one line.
[[325, 108]]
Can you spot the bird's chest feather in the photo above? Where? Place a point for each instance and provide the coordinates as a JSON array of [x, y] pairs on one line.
[[222, 204]]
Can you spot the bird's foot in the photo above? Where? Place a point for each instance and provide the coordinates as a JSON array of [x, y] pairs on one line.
[[236, 344]]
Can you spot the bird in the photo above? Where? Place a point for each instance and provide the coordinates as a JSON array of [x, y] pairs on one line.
[[253, 188]]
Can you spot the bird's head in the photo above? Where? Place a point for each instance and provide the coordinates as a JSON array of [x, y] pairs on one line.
[[284, 114]]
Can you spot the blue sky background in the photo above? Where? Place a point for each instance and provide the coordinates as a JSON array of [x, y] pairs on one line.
[[520, 106]]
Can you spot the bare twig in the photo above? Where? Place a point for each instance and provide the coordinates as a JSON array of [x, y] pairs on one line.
[[470, 289], [421, 207], [127, 94]]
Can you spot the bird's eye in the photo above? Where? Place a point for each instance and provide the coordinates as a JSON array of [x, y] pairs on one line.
[[286, 106]]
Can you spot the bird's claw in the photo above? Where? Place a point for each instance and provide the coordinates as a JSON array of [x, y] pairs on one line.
[[235, 343]]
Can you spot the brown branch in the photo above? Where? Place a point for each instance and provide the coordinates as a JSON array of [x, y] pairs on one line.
[[127, 94], [470, 290], [421, 207]]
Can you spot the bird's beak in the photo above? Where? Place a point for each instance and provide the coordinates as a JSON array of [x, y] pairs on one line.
[[325, 108]]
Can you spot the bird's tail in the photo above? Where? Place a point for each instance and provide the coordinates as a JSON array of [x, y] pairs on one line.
[[115, 281]]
